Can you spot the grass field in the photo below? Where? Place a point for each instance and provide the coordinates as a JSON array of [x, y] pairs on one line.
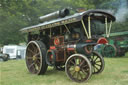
[[14, 72]]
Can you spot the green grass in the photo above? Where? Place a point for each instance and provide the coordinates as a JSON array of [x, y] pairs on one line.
[[14, 72]]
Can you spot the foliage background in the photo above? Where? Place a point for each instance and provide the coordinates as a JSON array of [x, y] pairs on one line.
[[16, 14]]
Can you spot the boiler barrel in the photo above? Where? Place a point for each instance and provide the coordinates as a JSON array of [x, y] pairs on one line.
[[54, 15]]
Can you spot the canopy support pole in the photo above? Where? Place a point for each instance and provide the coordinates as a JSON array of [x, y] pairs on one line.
[[84, 28], [67, 28], [106, 26], [110, 28], [89, 27]]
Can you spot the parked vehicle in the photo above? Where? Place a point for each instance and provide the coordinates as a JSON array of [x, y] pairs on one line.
[[4, 57], [117, 45], [15, 51], [68, 42]]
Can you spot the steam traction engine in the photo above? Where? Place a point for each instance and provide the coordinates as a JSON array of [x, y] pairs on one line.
[[67, 42], [117, 45]]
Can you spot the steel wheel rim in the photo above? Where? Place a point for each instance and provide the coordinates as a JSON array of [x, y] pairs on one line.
[[84, 72], [97, 62], [33, 57]]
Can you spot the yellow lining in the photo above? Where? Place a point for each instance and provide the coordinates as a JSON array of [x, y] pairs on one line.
[[89, 27], [106, 26], [110, 28], [67, 28], [84, 28]]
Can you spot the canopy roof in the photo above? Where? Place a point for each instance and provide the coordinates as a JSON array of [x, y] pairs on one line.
[[70, 19]]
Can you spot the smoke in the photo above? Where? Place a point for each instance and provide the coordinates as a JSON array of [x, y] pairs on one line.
[[122, 11]]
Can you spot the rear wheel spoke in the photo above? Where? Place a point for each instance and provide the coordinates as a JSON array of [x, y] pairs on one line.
[[30, 51], [32, 64], [29, 58]]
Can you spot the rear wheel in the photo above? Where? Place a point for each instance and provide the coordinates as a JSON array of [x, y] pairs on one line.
[[78, 68], [35, 57]]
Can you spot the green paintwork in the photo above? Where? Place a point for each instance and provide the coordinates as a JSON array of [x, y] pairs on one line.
[[107, 50], [119, 34], [125, 33]]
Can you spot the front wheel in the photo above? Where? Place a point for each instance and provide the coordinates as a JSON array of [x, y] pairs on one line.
[[35, 57], [78, 68], [97, 62], [109, 51]]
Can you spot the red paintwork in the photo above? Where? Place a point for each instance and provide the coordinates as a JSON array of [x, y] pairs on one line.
[[52, 47], [88, 40], [102, 40], [69, 49], [56, 41]]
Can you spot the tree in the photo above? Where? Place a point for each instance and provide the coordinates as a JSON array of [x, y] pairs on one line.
[[17, 14]]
